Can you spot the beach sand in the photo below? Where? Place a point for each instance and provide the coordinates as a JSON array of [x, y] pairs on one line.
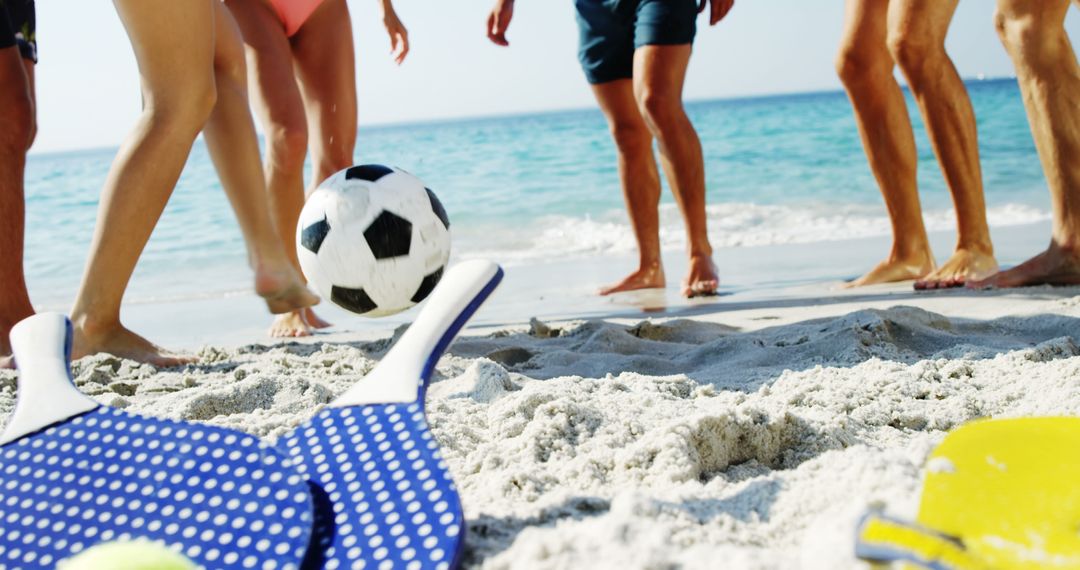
[[748, 431]]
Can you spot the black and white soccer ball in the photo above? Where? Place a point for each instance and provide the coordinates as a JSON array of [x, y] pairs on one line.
[[373, 239]]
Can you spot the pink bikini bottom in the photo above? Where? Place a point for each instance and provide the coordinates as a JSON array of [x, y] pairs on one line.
[[293, 13]]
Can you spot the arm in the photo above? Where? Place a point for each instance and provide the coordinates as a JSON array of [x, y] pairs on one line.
[[399, 36], [719, 9], [499, 21]]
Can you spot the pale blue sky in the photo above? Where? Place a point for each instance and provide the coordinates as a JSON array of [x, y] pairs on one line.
[[89, 95]]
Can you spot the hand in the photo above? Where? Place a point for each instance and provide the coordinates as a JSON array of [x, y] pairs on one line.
[[399, 36], [499, 21], [719, 9]]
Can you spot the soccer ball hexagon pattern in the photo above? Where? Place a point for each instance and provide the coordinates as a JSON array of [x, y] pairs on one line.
[[373, 239]]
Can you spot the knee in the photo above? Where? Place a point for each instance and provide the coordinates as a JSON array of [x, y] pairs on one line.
[[19, 125], [334, 159], [1029, 37], [661, 109], [288, 142], [334, 150], [230, 67], [231, 74], [915, 53], [185, 109], [1001, 24], [856, 66], [631, 137]]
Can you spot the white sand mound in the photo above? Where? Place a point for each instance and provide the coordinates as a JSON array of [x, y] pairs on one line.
[[681, 444]]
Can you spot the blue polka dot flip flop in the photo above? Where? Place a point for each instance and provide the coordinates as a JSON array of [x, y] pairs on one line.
[[74, 473], [387, 498]]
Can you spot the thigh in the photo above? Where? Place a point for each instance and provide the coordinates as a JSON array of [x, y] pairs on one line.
[[228, 42], [616, 99], [926, 20], [270, 65], [865, 28], [326, 66], [173, 42], [16, 103], [1042, 12], [606, 40], [660, 70]]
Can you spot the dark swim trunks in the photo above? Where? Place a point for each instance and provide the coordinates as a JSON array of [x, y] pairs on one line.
[[18, 27], [612, 29]]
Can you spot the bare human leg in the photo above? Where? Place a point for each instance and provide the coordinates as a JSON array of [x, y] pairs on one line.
[[326, 67], [659, 74], [865, 68], [17, 115], [277, 101], [230, 137], [325, 62], [916, 40], [1049, 76], [174, 47], [29, 68], [640, 182]]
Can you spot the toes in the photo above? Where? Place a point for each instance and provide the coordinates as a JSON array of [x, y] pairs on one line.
[[171, 360], [701, 289], [933, 284]]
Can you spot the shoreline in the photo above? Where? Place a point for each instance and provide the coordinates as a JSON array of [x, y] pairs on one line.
[[754, 281]]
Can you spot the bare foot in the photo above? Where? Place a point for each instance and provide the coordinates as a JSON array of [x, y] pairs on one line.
[[290, 325], [701, 280], [283, 289], [1055, 266], [314, 321], [965, 265], [7, 362], [650, 276], [896, 269], [118, 341]]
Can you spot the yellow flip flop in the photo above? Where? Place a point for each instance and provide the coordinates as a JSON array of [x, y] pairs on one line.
[[998, 495]]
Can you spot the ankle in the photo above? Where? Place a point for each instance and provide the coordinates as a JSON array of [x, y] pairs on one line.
[[262, 261], [1067, 239], [94, 325], [979, 246], [1068, 248], [911, 252], [12, 317], [650, 266], [701, 251]]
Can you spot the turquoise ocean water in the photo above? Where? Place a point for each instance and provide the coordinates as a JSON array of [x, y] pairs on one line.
[[528, 189]]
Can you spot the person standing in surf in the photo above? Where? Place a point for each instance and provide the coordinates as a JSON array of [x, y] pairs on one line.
[[302, 69], [18, 56], [1049, 76], [635, 55], [191, 61], [878, 34]]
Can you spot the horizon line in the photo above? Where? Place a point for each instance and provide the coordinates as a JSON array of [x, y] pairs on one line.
[[390, 125]]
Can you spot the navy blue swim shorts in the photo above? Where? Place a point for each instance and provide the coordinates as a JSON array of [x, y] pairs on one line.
[[17, 27], [612, 29]]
